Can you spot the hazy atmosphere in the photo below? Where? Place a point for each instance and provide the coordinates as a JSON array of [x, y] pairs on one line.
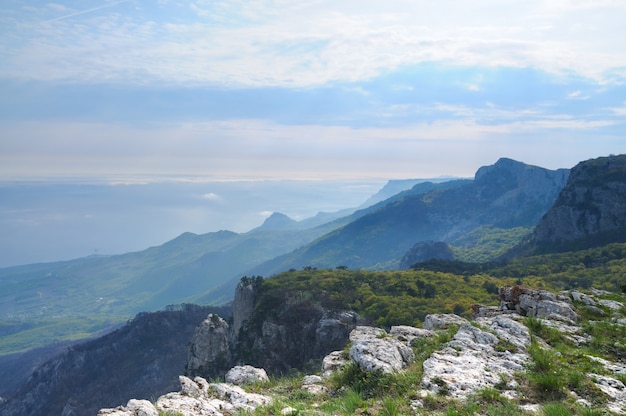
[[342, 96]]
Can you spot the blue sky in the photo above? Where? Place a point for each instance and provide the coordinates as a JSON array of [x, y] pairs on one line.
[[307, 90]]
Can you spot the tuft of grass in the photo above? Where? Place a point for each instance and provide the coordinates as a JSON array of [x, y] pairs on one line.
[[352, 400], [489, 395], [556, 409], [391, 407], [549, 386]]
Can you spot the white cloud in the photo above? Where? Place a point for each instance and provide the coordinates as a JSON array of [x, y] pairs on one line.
[[577, 95], [211, 196], [620, 111], [301, 44]]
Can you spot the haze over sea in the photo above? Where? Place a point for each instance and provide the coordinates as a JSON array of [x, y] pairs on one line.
[[339, 96], [43, 221]]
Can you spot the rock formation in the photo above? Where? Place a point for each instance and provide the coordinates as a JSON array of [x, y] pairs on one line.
[[197, 397], [489, 352], [373, 350], [209, 351], [591, 208], [296, 331]]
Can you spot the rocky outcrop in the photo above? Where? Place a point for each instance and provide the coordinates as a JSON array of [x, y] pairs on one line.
[[590, 210], [536, 303], [276, 333], [373, 350], [471, 361], [243, 304], [196, 398], [209, 350], [486, 356]]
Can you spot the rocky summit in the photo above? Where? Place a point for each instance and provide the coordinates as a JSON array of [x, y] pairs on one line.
[[535, 352]]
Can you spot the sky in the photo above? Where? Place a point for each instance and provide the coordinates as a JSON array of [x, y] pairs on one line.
[[257, 106], [276, 89]]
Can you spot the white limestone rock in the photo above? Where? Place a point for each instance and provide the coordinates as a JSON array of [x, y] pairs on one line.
[[443, 320], [134, 407], [470, 362], [614, 389], [407, 334], [611, 304], [246, 374], [374, 350], [238, 397], [509, 329]]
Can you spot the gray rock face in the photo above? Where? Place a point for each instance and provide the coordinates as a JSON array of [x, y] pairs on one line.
[[470, 362], [209, 350], [245, 374], [373, 350], [593, 202], [243, 304], [443, 320], [536, 303], [296, 332]]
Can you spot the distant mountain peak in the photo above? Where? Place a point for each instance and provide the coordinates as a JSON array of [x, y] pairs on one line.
[[278, 221]]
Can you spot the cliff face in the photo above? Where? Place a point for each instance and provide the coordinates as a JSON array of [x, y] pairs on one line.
[[277, 331], [591, 208]]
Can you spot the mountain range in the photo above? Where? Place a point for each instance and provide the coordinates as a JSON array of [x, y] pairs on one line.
[[47, 302], [508, 187]]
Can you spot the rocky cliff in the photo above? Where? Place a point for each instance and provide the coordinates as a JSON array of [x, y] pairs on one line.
[[528, 355], [589, 211], [271, 328]]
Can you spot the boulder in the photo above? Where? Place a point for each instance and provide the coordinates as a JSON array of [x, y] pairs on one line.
[[333, 362], [373, 350], [246, 374], [443, 320], [314, 385]]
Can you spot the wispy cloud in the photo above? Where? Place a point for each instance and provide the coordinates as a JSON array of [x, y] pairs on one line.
[[81, 12], [286, 43]]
